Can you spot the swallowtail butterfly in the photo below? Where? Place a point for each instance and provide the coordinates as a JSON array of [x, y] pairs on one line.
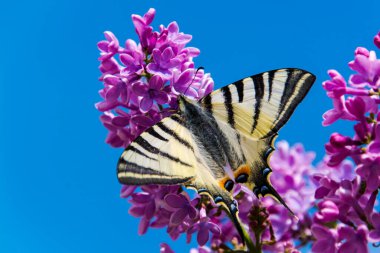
[[230, 129]]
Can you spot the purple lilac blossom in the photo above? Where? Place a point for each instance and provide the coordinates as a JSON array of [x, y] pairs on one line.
[[346, 219], [143, 80]]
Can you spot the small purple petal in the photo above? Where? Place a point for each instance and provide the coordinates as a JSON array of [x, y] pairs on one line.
[[136, 211], [192, 212], [141, 197], [161, 97], [178, 216], [164, 248], [214, 228], [127, 59], [176, 201], [127, 190], [120, 121], [150, 209], [140, 88], [374, 236], [203, 236], [142, 120], [146, 104], [156, 82], [167, 54], [149, 16], [106, 105], [143, 226]]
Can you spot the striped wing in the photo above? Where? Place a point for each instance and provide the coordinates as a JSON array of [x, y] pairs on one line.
[[260, 105], [163, 154], [255, 108], [167, 154]]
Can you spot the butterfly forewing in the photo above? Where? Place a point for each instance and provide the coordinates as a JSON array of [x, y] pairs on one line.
[[261, 104], [163, 154]]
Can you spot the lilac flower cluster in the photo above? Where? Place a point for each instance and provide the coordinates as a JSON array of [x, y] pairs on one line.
[[346, 220], [142, 81]]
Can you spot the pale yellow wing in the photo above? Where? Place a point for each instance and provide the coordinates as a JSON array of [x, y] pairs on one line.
[[260, 105], [163, 154]]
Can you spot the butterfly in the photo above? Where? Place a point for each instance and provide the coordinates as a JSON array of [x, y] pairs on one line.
[[224, 138]]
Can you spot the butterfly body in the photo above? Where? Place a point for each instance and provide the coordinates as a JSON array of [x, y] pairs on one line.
[[215, 150], [225, 138]]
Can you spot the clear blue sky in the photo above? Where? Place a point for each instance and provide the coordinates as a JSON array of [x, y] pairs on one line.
[[58, 186]]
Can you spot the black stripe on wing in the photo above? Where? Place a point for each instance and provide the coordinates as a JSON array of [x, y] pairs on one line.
[[207, 101], [258, 82], [178, 119], [174, 135], [152, 149], [154, 133], [125, 166], [291, 82], [240, 90], [270, 83], [290, 98], [227, 103], [134, 174], [148, 180], [133, 149]]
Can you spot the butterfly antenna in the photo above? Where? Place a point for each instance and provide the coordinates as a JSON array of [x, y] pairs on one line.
[[196, 72]]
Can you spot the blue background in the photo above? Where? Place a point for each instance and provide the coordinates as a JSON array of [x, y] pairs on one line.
[[58, 189]]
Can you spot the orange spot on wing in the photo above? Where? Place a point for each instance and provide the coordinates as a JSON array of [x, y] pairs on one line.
[[222, 182], [245, 168]]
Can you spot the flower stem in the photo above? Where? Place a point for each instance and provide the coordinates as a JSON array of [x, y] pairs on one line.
[[258, 246], [251, 247], [246, 238]]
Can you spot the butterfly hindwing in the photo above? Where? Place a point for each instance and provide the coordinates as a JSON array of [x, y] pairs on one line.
[[172, 152], [167, 153]]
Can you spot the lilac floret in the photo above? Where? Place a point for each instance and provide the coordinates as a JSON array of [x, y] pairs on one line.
[[204, 227], [326, 239], [354, 240], [183, 208], [368, 69]]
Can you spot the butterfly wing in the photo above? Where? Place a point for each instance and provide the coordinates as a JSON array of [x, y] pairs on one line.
[[166, 153], [260, 105], [163, 154], [255, 108]]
